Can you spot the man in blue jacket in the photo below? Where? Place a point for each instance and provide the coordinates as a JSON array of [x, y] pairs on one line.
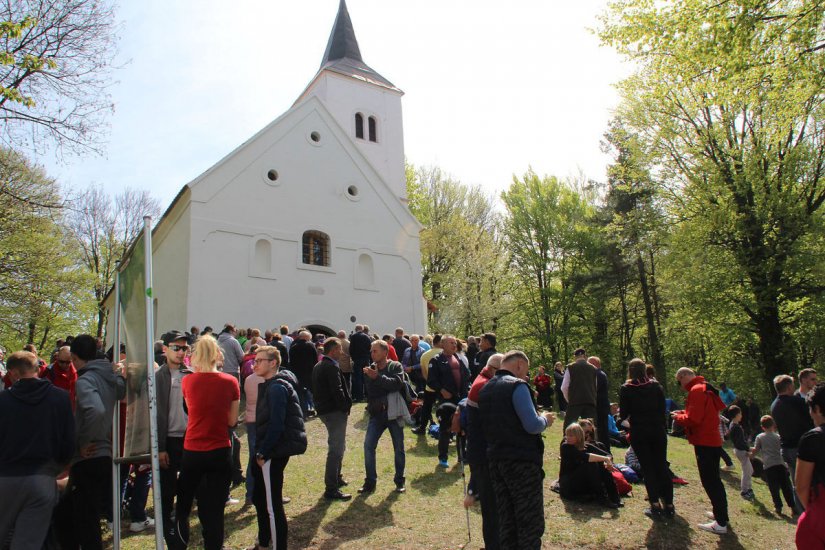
[[450, 380], [36, 442]]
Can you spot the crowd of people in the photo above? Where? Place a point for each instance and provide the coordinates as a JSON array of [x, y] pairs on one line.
[[56, 424]]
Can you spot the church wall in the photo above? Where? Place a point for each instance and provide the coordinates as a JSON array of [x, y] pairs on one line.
[[344, 97], [242, 221], [170, 270]]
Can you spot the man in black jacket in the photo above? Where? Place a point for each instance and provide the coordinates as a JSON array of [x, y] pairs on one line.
[[37, 438], [790, 413], [303, 356], [400, 343], [487, 345], [359, 352], [172, 421], [333, 403], [450, 380]]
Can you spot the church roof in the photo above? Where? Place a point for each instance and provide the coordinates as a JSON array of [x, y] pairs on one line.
[[343, 55]]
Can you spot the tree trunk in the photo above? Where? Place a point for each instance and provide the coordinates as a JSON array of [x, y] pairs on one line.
[[777, 357], [657, 357]]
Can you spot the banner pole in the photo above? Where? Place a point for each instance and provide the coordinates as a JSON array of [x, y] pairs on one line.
[[150, 373], [116, 422]]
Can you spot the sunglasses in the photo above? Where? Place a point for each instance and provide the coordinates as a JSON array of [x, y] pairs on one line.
[[175, 347]]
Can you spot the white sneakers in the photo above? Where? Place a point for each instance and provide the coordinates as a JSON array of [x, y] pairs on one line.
[[138, 526], [713, 527]]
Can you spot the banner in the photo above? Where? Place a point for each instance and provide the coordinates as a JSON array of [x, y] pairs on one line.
[[133, 335]]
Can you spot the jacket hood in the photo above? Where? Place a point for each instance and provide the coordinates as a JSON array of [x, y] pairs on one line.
[[289, 376], [101, 367], [712, 392], [30, 391]]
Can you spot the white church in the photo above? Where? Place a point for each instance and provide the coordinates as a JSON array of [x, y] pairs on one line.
[[306, 223]]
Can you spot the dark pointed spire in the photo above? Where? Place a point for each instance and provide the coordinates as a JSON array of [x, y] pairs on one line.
[[342, 42], [343, 55]]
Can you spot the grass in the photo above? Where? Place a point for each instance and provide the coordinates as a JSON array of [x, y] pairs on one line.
[[430, 515]]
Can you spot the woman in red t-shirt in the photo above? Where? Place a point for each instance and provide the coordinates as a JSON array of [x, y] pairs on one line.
[[212, 399]]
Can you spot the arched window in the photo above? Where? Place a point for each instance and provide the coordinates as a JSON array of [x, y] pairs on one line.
[[359, 125], [365, 272], [315, 248], [263, 256], [373, 131]]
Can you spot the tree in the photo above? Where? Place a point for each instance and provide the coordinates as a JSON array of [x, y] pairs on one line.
[[55, 64], [104, 229], [636, 229], [728, 98], [545, 231], [42, 289]]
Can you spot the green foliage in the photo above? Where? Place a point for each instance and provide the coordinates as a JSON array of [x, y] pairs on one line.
[[728, 101], [464, 268], [547, 232], [43, 291]]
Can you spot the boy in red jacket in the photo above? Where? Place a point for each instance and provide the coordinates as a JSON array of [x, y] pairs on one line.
[[701, 422]]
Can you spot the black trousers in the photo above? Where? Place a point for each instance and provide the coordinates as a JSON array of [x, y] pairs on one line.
[[487, 499], [652, 454], [268, 499], [520, 503], [237, 470], [213, 468], [589, 480], [425, 413], [779, 481], [169, 483], [707, 459], [725, 456], [444, 413], [89, 496]]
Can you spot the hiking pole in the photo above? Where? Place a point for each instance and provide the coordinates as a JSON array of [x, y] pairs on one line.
[[464, 482]]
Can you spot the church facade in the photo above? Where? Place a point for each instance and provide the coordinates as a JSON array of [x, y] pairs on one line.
[[306, 223]]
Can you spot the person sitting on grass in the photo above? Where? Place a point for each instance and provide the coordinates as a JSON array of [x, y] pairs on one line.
[[741, 450], [591, 440], [583, 473]]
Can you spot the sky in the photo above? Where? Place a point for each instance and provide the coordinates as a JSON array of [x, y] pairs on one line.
[[491, 88]]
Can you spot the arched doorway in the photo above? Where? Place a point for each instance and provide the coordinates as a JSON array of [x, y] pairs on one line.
[[320, 329]]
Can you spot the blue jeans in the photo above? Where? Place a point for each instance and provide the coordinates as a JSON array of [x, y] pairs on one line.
[[375, 428], [250, 444]]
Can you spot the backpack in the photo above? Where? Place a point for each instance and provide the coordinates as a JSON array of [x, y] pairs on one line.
[[622, 486], [629, 473]]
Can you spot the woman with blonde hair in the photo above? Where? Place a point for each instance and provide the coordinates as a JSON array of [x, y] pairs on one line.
[[212, 399], [585, 474]]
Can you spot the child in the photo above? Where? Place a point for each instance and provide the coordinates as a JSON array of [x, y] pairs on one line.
[[724, 431], [776, 471], [741, 450]]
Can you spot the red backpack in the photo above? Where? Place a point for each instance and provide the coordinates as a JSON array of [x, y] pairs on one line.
[[622, 486]]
